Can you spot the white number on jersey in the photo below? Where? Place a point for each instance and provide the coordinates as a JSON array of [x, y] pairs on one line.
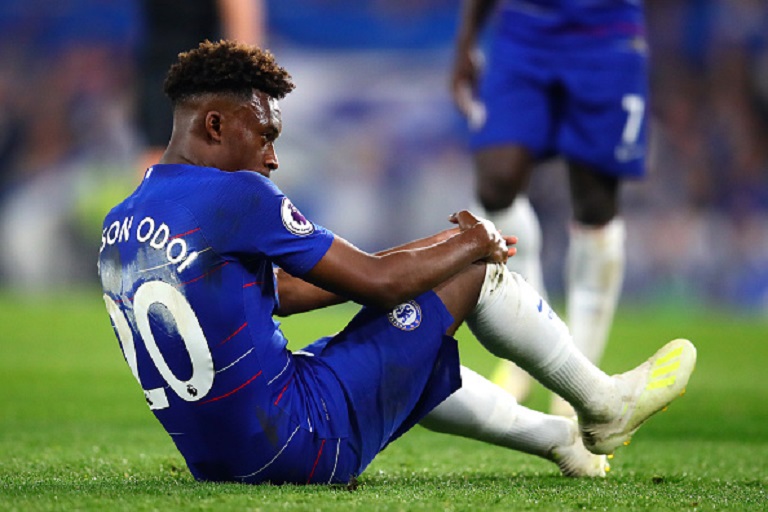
[[634, 104], [188, 326]]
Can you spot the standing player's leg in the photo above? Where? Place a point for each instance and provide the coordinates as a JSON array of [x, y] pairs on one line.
[[516, 129], [603, 137], [502, 175], [514, 322], [594, 269]]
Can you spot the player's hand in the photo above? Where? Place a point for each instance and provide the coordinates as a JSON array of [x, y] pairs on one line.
[[499, 247], [464, 79]]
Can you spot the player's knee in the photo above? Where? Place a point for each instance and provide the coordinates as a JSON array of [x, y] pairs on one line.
[[494, 199], [500, 178], [497, 189], [595, 213], [595, 196]]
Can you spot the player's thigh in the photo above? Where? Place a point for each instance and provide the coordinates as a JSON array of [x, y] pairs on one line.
[[604, 112], [395, 366], [461, 293]]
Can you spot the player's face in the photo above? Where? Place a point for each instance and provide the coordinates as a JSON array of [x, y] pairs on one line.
[[253, 142]]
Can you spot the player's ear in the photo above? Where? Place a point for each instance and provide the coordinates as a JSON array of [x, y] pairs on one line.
[[213, 125]]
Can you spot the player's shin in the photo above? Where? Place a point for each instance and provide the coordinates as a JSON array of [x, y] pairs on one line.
[[594, 274], [483, 411], [514, 322], [519, 219]]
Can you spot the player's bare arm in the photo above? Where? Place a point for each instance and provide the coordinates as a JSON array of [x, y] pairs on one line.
[[298, 295], [388, 280], [466, 66]]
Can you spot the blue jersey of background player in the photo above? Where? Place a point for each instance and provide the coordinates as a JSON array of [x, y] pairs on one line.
[[552, 23], [563, 78], [567, 78]]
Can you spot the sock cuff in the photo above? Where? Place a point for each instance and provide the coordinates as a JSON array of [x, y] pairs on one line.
[[521, 199], [518, 219], [588, 243], [579, 391], [494, 279], [611, 234]]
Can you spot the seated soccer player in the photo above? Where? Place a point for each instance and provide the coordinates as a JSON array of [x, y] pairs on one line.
[[197, 261]]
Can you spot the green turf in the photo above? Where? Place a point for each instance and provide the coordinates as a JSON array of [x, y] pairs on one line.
[[75, 433]]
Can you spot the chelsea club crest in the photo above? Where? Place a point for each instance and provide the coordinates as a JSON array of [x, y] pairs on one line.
[[406, 316]]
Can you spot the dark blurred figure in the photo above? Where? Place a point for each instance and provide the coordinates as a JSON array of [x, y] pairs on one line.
[[710, 98], [66, 75], [174, 26]]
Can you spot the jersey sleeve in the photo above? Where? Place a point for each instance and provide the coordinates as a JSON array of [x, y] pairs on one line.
[[248, 214]]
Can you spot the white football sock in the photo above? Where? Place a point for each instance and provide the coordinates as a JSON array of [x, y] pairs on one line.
[[514, 322], [594, 275], [521, 221], [483, 411]]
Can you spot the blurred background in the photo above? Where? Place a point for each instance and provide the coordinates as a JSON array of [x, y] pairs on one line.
[[373, 147]]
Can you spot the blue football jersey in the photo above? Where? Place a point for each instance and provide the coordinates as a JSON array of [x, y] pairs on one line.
[[570, 21], [187, 268]]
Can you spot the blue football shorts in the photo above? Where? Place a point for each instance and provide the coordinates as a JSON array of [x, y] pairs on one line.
[[588, 104], [395, 367]]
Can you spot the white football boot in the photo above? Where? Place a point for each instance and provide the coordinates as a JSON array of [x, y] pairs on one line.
[[574, 460], [646, 390]]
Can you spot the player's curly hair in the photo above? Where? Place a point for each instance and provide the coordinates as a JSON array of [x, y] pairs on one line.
[[226, 67]]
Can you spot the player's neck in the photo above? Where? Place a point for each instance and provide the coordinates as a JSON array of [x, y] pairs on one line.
[[177, 154]]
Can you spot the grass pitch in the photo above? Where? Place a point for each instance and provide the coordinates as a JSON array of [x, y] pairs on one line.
[[75, 433]]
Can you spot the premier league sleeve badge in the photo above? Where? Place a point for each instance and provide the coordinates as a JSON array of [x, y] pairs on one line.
[[293, 220]]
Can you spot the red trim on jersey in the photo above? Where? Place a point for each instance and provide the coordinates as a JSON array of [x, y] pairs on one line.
[[234, 333], [280, 396], [207, 273], [317, 459], [225, 395], [185, 233]]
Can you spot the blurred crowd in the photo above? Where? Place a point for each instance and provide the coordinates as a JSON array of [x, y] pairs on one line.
[[372, 145]]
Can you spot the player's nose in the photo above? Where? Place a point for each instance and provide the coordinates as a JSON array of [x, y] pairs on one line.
[[270, 159]]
